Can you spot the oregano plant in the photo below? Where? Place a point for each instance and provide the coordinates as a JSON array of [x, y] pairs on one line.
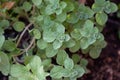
[[40, 38]]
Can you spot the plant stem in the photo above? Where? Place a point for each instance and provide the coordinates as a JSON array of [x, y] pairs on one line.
[[26, 49], [31, 43], [26, 28]]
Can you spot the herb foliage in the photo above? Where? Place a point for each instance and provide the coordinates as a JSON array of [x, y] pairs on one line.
[[52, 27]]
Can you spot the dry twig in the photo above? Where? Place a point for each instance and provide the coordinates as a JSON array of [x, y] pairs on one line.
[[26, 28]]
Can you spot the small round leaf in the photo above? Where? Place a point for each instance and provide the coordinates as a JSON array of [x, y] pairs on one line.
[[27, 6], [61, 56], [68, 63], [101, 18], [56, 72], [42, 44], [19, 26], [50, 51], [36, 33]]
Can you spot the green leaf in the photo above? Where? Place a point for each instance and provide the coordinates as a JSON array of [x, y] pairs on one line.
[[85, 12], [95, 52], [83, 62], [37, 33], [107, 7], [27, 6], [37, 2], [50, 51], [12, 78], [17, 10], [67, 37], [114, 7], [46, 62], [61, 37], [37, 69], [4, 24], [2, 40], [1, 31], [68, 63], [61, 17], [18, 71], [56, 72], [100, 36], [73, 75], [77, 72], [76, 47], [66, 72], [57, 44], [75, 58], [98, 6], [63, 4], [38, 19], [110, 7], [85, 51], [58, 11], [15, 52], [76, 34], [49, 10], [84, 43], [70, 43], [48, 23], [27, 59], [35, 63], [92, 38], [42, 44], [41, 74], [99, 1], [55, 7], [100, 44], [72, 18], [70, 6], [55, 31], [61, 56], [101, 18], [87, 28], [4, 63], [52, 1], [59, 28], [18, 26], [49, 36], [9, 45], [80, 70]]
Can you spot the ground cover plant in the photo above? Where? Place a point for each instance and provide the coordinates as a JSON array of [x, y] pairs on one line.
[[40, 38]]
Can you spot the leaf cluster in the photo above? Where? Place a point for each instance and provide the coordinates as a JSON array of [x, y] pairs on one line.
[[57, 25]]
